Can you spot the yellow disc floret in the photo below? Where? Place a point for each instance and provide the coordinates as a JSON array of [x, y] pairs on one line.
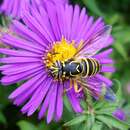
[[61, 51]]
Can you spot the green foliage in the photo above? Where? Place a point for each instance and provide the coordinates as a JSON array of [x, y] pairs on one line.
[[76, 120], [24, 125], [92, 5], [102, 114], [112, 122], [97, 126], [2, 118]]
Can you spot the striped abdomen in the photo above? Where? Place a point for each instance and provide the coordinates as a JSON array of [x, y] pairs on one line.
[[90, 67]]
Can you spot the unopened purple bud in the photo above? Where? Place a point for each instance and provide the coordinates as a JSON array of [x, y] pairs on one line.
[[119, 114]]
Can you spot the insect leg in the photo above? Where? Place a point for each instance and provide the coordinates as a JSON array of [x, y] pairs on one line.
[[71, 85], [77, 90]]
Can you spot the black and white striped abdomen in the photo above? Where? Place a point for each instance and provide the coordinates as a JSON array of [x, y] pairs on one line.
[[90, 67]]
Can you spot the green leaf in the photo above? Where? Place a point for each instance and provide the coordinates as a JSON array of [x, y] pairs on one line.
[[121, 33], [76, 120], [112, 18], [98, 105], [107, 110], [84, 126], [104, 106], [120, 49], [110, 121], [43, 126], [2, 118], [84, 105], [119, 96], [90, 121], [67, 104], [119, 91], [97, 126], [24, 125], [92, 5]]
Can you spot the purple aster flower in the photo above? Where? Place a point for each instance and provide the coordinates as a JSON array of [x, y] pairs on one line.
[[53, 1], [50, 36], [14, 8], [119, 114]]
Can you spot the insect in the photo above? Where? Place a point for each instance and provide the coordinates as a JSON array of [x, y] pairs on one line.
[[77, 69], [84, 67]]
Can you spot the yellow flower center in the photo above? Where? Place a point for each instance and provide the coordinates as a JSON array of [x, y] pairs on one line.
[[61, 51]]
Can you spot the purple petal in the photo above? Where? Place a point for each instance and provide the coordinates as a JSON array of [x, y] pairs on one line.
[[21, 69], [82, 25], [81, 22], [4, 67], [46, 103], [12, 8], [75, 20], [104, 54], [53, 20], [88, 25], [106, 61], [45, 24], [18, 53], [109, 41], [91, 32], [26, 33], [73, 98], [24, 96], [21, 44], [74, 102], [59, 105], [35, 26], [37, 97], [110, 69], [6, 80], [61, 22], [23, 88], [15, 60], [52, 103], [104, 79]]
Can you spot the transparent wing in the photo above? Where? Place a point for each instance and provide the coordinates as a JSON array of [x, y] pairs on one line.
[[95, 43], [89, 88], [106, 93]]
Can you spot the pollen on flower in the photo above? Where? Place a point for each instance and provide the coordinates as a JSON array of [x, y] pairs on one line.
[[61, 51]]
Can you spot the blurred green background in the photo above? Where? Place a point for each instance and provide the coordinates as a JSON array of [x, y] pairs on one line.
[[115, 13]]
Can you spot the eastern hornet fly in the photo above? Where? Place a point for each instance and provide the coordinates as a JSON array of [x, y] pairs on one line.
[[85, 67], [78, 68]]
